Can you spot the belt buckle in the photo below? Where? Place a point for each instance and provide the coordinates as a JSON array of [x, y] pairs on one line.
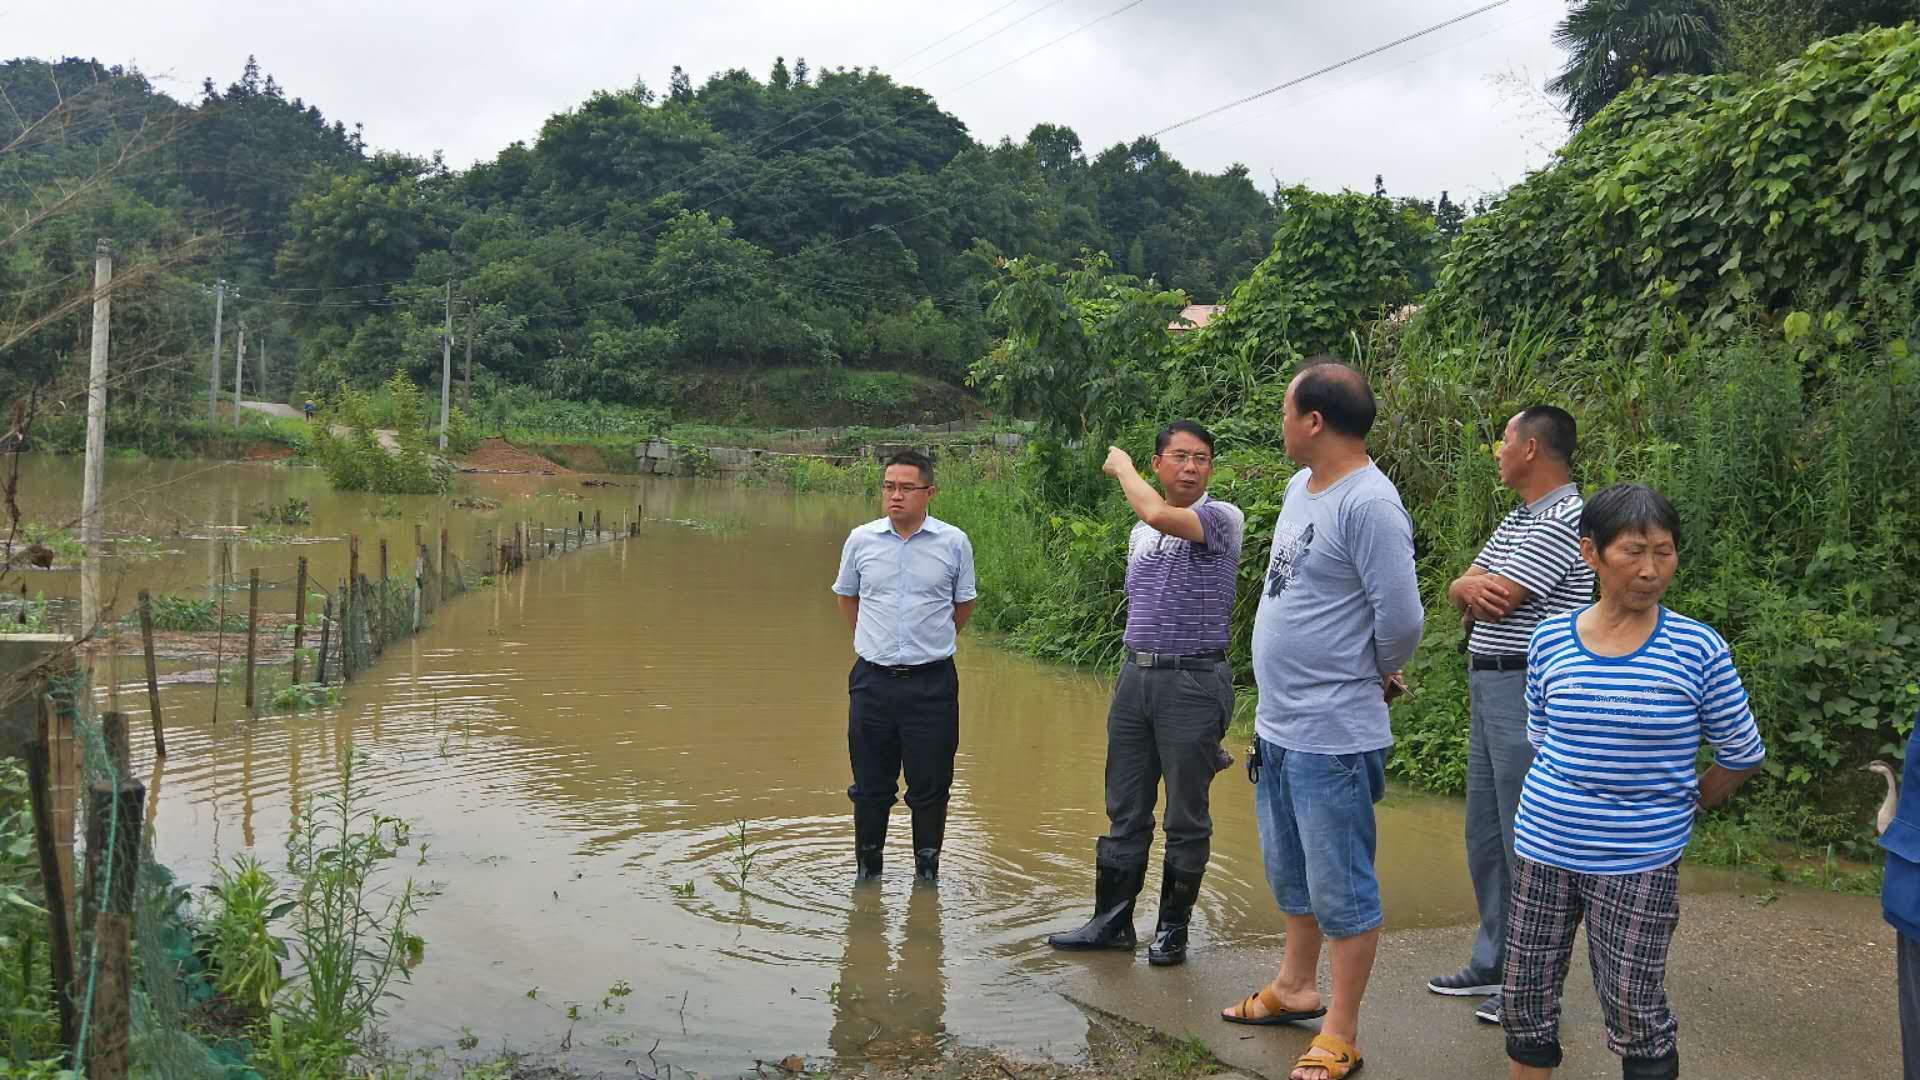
[[1146, 660], [898, 671]]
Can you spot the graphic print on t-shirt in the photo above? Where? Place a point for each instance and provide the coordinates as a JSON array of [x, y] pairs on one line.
[[1290, 547]]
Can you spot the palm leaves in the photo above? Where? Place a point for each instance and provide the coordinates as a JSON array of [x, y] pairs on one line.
[[1610, 43]]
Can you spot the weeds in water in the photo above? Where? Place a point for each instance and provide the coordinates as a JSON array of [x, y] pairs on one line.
[[386, 509], [300, 696], [352, 937], [684, 890], [25, 616], [246, 956], [172, 611], [743, 856], [294, 511]]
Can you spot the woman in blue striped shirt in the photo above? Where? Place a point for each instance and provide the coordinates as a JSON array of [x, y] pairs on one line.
[[1619, 694]]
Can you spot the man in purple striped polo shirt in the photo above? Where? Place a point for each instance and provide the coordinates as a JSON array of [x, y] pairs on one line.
[[1174, 696]]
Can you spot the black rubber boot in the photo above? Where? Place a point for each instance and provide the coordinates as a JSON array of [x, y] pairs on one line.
[[869, 841], [1111, 927], [1178, 890], [929, 833]]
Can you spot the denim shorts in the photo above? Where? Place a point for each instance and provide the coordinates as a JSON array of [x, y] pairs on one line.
[[1317, 834]]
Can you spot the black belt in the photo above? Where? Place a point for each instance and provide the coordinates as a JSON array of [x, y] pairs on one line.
[[905, 671], [1200, 661], [1507, 662]]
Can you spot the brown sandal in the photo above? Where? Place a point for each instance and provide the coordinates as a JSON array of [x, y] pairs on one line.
[[1277, 1013], [1344, 1062]]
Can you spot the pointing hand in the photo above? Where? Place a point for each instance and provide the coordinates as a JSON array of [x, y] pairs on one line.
[[1117, 462]]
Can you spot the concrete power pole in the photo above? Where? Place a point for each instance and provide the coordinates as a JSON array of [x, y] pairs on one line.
[[213, 380], [90, 530], [261, 389], [466, 388], [239, 367], [446, 367]]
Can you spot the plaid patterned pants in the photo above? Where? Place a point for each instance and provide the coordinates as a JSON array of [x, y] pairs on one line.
[[1630, 921]]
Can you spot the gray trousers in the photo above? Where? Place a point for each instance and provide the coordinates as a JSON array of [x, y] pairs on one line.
[[1164, 722], [1908, 962], [1498, 756]]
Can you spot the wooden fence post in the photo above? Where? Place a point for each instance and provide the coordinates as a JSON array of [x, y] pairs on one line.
[[63, 759], [596, 526], [386, 627], [353, 556], [153, 675], [113, 838], [59, 896], [253, 631], [445, 568], [326, 639], [419, 583], [299, 616], [346, 633], [493, 552]]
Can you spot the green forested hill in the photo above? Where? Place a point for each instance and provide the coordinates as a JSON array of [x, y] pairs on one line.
[[810, 219]]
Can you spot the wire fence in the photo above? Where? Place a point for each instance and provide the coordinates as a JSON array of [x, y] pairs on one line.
[[112, 947]]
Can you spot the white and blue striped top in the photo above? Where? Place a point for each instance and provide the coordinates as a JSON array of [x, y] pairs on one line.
[[1613, 786]]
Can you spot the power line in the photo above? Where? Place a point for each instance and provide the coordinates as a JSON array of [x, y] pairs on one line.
[[1354, 59], [1337, 87]]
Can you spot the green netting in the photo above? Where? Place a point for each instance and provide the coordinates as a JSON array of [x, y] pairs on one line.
[[173, 1004], [169, 980]]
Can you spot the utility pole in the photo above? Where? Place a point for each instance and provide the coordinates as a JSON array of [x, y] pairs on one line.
[[96, 431], [261, 389], [239, 366], [213, 380], [446, 367], [466, 389]]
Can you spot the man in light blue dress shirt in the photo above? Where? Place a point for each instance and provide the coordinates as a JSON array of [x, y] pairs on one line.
[[906, 589]]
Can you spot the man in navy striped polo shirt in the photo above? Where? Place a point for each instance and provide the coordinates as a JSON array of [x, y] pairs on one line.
[[1529, 570], [1174, 696]]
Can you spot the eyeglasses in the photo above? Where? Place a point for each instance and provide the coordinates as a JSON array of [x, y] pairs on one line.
[[903, 489], [1181, 457]]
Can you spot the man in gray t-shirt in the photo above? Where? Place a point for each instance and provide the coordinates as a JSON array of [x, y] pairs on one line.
[[1339, 615]]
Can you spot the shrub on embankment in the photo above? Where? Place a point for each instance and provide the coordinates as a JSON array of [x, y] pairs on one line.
[[1786, 425]]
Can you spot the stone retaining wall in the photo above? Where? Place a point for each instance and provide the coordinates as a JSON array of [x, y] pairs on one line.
[[658, 457]]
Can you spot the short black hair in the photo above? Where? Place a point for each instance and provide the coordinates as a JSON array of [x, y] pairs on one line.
[[914, 458], [1190, 427], [1555, 429], [1331, 387], [1627, 508]]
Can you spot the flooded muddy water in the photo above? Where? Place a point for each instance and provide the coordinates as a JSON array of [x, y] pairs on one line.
[[580, 748]]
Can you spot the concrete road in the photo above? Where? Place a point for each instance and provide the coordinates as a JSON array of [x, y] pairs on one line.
[[1795, 985], [288, 412]]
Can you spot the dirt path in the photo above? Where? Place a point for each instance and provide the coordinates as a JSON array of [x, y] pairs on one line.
[[387, 436]]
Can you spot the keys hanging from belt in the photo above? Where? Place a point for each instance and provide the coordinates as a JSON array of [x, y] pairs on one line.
[[1253, 762]]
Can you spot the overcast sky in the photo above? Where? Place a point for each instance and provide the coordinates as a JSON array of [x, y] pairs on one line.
[[1448, 111]]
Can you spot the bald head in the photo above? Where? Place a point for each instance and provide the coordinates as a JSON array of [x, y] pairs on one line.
[[1330, 387]]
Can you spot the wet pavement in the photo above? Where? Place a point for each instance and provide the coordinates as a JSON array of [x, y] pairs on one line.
[[1770, 981]]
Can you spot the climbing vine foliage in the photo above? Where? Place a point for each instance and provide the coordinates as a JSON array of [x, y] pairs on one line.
[[1703, 196]]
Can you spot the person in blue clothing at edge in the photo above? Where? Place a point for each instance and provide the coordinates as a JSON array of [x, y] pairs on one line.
[[1900, 900], [1619, 694]]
